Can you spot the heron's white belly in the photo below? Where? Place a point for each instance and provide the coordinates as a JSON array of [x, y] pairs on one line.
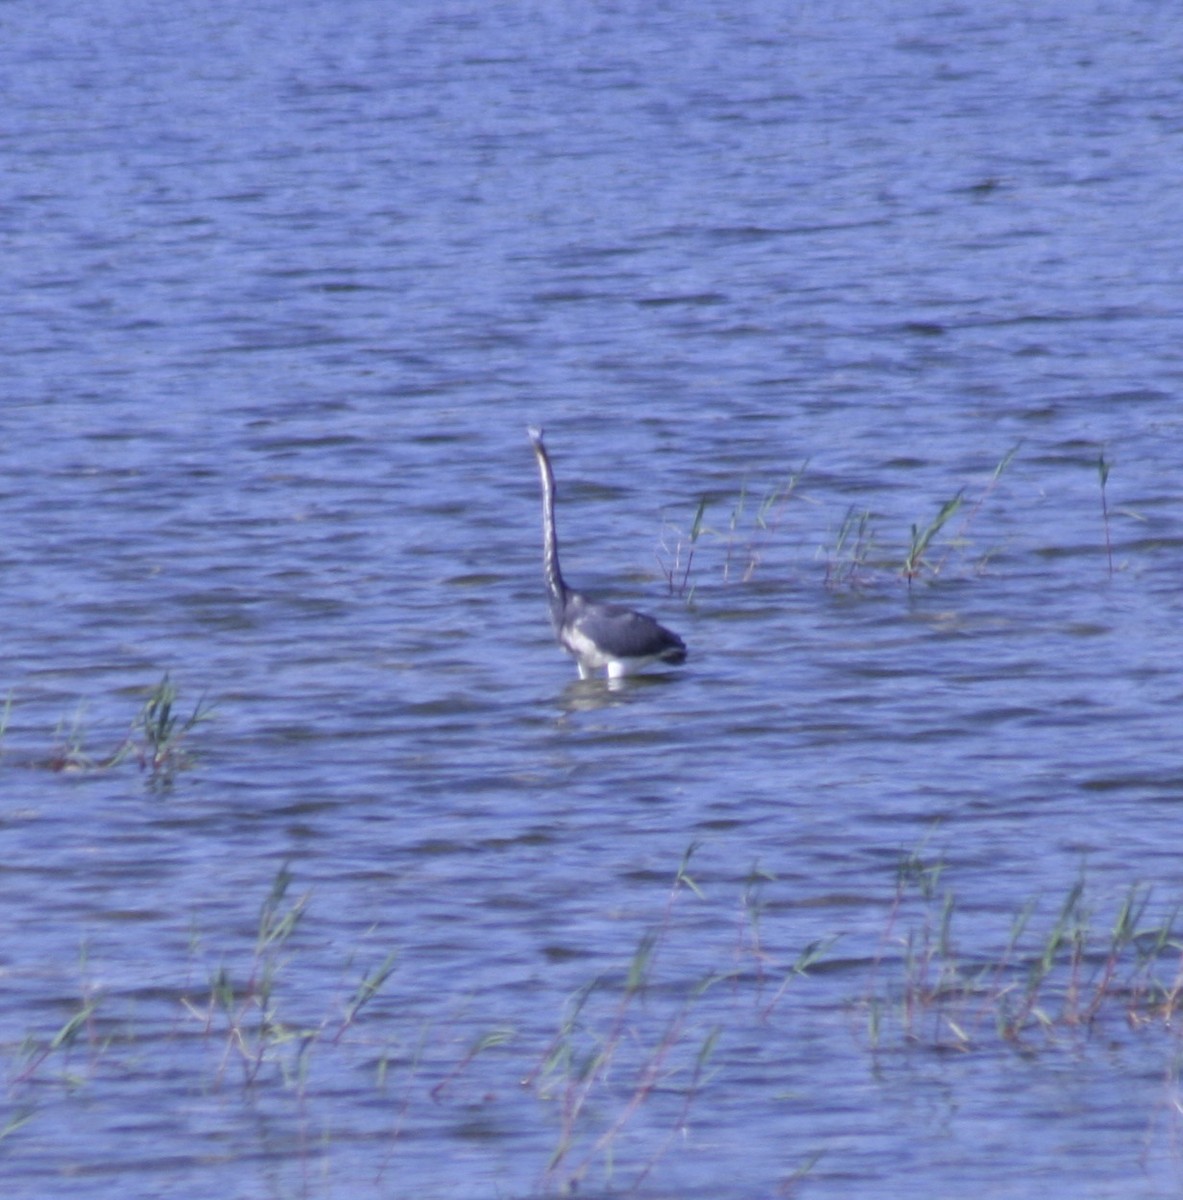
[[585, 649], [591, 657]]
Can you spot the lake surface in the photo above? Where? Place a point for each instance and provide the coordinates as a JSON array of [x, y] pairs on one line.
[[877, 895]]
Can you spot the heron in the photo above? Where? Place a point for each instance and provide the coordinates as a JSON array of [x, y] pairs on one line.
[[598, 635]]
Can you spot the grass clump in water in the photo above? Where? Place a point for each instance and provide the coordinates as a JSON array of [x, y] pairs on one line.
[[742, 548], [158, 733], [603, 1092], [916, 561], [156, 740], [248, 1012], [1061, 980], [853, 555], [594, 1049]]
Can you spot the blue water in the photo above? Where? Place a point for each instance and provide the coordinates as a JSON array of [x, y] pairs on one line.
[[282, 289]]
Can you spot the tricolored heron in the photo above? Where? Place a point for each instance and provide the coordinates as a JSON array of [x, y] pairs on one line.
[[598, 635]]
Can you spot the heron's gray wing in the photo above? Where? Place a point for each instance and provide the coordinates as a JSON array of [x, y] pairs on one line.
[[622, 633]]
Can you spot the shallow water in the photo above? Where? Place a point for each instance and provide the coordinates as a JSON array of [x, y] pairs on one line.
[[282, 293]]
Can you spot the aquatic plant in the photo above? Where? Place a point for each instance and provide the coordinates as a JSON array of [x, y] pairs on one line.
[[155, 739], [677, 572], [591, 1048], [852, 555], [961, 536], [1103, 475], [922, 538], [742, 549], [37, 1052], [747, 554], [247, 1011], [369, 987], [44, 1057], [5, 714], [1051, 983], [157, 732], [69, 753], [639, 1047], [848, 554]]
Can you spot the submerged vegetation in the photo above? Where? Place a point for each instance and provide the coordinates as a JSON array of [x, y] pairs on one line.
[[634, 1055]]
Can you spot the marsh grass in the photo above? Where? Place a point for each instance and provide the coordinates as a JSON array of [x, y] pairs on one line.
[[156, 740], [920, 558], [848, 554], [636, 1051], [158, 733], [369, 987], [750, 528], [69, 745], [745, 551], [51, 1057], [1103, 476], [916, 560], [756, 968], [245, 1010], [38, 1052], [610, 1057], [642, 1041], [853, 555], [1056, 978], [676, 555]]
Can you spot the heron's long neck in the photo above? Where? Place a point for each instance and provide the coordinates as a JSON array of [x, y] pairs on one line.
[[555, 587]]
